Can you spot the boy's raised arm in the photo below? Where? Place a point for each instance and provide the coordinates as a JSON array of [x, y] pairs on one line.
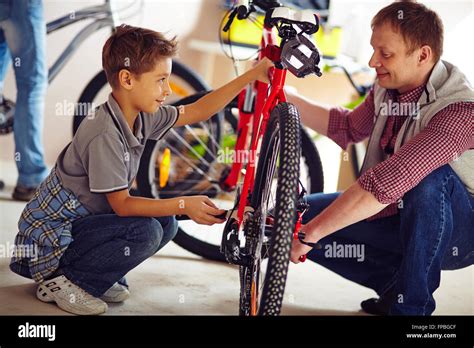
[[211, 103]]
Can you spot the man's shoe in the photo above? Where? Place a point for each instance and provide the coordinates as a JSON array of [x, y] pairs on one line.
[[117, 293], [69, 297], [22, 193], [376, 306]]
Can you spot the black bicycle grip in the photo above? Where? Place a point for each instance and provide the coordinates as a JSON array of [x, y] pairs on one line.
[[230, 20], [222, 216]]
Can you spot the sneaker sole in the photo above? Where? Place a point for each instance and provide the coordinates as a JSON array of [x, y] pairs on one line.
[[43, 296]]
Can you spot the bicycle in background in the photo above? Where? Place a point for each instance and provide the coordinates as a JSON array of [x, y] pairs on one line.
[[184, 81]]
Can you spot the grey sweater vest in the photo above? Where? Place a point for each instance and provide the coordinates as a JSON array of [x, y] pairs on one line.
[[446, 85]]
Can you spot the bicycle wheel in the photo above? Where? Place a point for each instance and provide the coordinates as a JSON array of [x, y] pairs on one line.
[[274, 199], [183, 82]]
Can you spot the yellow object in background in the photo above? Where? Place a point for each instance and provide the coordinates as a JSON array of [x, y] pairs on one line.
[[328, 40], [244, 32], [248, 34], [165, 167]]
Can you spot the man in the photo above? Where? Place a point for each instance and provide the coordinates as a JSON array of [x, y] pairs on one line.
[[22, 39], [411, 211]]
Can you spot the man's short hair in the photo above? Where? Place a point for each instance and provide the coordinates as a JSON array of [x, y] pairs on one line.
[[417, 24]]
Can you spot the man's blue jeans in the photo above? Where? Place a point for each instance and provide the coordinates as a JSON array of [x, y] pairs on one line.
[[403, 255], [22, 38], [106, 247]]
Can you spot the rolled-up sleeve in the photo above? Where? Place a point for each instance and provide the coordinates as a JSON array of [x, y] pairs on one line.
[[449, 133], [346, 126]]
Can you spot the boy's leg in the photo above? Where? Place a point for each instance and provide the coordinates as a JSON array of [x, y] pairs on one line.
[[169, 225], [367, 252], [436, 231], [170, 228], [107, 247]]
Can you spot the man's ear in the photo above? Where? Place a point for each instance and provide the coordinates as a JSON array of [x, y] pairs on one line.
[[425, 55], [125, 79]]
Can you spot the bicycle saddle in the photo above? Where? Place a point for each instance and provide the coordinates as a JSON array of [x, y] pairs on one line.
[[306, 20]]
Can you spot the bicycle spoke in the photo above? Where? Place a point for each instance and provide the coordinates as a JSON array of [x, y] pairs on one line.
[[190, 130], [191, 164], [211, 136], [190, 148]]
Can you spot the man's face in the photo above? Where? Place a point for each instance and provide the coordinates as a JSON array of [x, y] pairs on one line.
[[395, 68], [151, 88]]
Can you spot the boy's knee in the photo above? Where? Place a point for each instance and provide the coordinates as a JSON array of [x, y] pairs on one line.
[[151, 232], [170, 227]]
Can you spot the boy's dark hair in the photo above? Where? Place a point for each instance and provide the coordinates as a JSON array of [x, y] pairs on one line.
[[135, 49], [417, 24]]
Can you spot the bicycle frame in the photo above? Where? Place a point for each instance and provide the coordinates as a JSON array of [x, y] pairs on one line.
[[106, 15], [263, 106]]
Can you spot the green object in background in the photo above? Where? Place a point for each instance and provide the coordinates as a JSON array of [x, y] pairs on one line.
[[355, 103], [228, 144]]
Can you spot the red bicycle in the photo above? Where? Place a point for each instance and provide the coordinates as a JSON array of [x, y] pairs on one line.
[[268, 174], [269, 206]]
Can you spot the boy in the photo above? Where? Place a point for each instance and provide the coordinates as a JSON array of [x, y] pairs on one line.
[[85, 229]]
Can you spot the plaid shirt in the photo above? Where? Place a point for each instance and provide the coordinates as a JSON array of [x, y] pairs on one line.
[[448, 134], [45, 229]]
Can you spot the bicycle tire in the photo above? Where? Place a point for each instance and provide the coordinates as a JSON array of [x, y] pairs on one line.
[[282, 143]]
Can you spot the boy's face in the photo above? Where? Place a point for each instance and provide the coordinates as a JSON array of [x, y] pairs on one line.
[[150, 89], [396, 69]]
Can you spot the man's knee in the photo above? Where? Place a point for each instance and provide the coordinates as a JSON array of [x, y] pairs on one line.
[[317, 203], [430, 186]]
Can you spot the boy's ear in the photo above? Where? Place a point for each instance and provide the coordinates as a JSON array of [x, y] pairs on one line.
[[125, 79]]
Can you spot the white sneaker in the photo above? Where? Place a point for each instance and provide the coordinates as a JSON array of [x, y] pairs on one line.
[[69, 297], [117, 293]]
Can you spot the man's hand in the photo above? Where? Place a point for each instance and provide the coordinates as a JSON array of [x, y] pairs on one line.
[[299, 249], [202, 210]]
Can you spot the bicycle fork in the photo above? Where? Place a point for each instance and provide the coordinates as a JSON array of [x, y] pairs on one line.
[[302, 208]]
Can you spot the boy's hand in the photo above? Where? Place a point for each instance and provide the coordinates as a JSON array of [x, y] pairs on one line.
[[261, 70], [202, 210]]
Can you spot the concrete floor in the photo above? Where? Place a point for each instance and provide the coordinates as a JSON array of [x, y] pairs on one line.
[[175, 282]]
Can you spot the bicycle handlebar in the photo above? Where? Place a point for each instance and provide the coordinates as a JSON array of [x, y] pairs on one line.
[[244, 8]]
